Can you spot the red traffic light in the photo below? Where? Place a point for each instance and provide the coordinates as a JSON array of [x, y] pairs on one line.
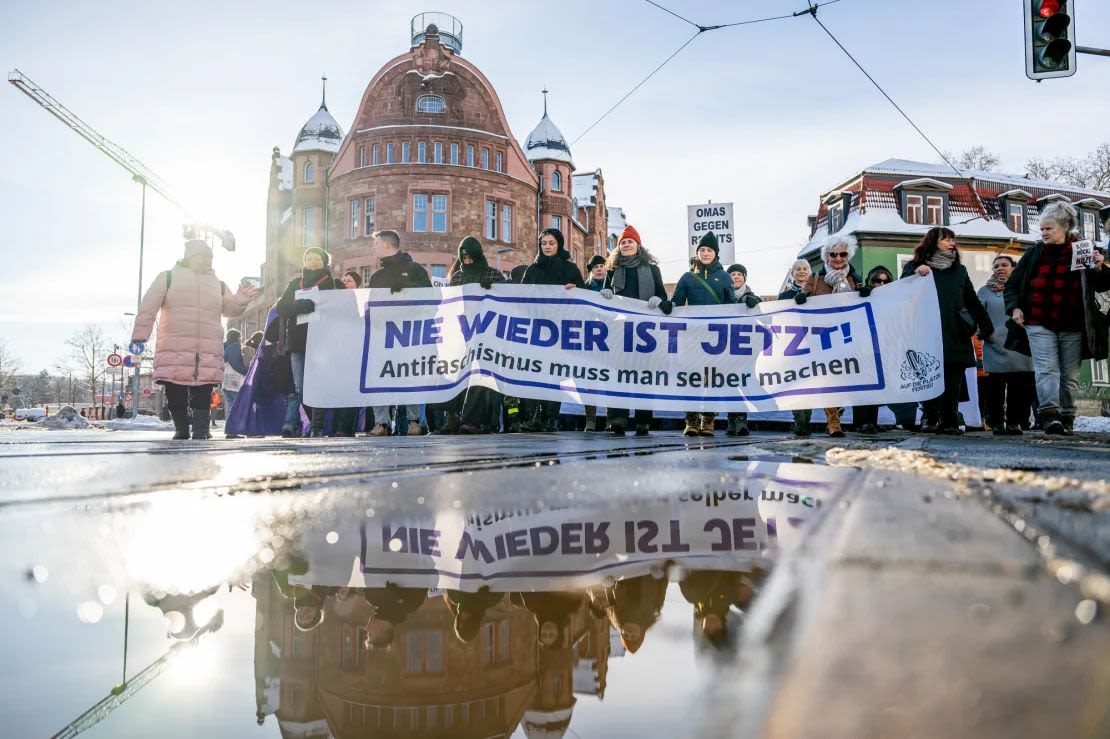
[[1049, 8]]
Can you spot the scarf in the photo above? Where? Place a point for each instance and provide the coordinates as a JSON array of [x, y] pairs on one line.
[[551, 269], [837, 279], [995, 285], [942, 260], [311, 278], [475, 271], [644, 279], [740, 292]]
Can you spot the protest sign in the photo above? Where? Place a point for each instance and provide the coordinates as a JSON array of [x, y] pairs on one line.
[[1082, 254], [427, 345], [715, 217]]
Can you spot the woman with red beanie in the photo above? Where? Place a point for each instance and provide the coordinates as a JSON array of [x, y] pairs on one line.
[[632, 272]]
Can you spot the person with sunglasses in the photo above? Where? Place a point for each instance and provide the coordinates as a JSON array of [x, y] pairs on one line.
[[961, 314], [835, 276]]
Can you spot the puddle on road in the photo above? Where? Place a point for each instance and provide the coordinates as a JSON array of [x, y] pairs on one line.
[[384, 614]]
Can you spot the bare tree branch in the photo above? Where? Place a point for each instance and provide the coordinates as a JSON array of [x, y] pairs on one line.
[[89, 357]]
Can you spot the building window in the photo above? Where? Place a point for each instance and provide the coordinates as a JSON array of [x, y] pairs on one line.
[[454, 154], [419, 212], [376, 156], [306, 226], [356, 217], [934, 210], [389, 153], [500, 162], [556, 181], [470, 155], [836, 219], [430, 104], [557, 222], [491, 220], [1015, 214], [1099, 374], [913, 209], [365, 276], [406, 154], [362, 156], [368, 211], [437, 155], [485, 158], [352, 651], [1089, 225], [439, 213], [439, 271], [421, 152], [424, 652], [506, 223], [309, 172]]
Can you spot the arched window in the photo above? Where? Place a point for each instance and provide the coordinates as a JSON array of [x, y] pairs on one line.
[[430, 104], [309, 172], [556, 181]]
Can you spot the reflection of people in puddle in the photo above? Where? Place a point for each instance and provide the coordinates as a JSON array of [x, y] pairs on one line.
[[469, 609], [308, 604], [392, 605], [178, 610], [552, 612], [713, 593], [633, 606]]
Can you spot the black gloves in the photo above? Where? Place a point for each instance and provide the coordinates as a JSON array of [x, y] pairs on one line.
[[304, 305], [865, 291], [666, 306], [751, 300], [485, 282], [800, 298], [397, 286]]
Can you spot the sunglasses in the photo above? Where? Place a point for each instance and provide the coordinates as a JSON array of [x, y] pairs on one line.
[[880, 282], [840, 254]]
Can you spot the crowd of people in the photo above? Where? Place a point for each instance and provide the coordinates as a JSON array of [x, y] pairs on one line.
[[1033, 322]]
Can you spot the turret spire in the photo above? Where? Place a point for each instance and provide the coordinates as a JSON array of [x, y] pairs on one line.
[[324, 92], [545, 100]]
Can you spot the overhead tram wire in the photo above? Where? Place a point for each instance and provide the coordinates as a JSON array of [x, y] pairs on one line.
[[812, 11], [701, 29]]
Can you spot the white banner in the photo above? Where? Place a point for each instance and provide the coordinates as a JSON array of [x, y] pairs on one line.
[[426, 345], [715, 217]]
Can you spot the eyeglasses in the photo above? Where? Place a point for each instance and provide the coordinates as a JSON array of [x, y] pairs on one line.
[[880, 282], [839, 254]]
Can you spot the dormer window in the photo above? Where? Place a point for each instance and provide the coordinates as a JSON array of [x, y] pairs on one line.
[[836, 218], [430, 104], [1012, 203], [1015, 217], [1088, 217], [924, 201], [839, 202]]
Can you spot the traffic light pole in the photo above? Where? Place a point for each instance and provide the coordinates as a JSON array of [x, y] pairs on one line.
[[1092, 50], [139, 299]]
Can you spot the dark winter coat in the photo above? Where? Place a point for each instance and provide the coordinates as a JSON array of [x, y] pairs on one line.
[[233, 355], [491, 274], [595, 285], [399, 272], [790, 294], [1016, 295], [289, 307], [691, 290], [632, 284], [556, 270], [954, 291]]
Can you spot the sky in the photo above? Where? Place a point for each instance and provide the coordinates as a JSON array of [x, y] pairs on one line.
[[767, 116]]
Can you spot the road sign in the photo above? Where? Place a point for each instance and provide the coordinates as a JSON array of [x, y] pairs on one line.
[[136, 347], [131, 361], [114, 360], [715, 217]]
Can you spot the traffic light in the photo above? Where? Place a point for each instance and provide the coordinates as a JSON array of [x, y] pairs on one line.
[[1049, 50]]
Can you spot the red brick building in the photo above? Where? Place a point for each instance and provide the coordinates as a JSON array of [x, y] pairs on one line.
[[430, 154]]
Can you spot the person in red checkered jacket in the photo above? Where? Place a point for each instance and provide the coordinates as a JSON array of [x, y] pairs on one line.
[[1057, 307]]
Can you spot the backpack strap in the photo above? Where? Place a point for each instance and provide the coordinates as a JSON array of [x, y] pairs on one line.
[[707, 286]]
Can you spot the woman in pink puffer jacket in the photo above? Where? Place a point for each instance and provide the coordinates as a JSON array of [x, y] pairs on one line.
[[188, 302]]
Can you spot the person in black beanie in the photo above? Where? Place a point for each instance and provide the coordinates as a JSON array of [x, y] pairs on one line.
[[480, 404], [551, 267], [314, 275], [595, 268], [705, 284], [738, 273]]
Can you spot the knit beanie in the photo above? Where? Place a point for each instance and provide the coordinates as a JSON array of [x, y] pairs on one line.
[[710, 240], [195, 247], [323, 254], [595, 260], [738, 268], [472, 247], [630, 233]]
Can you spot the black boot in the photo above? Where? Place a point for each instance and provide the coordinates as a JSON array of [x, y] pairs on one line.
[[201, 417], [180, 423]]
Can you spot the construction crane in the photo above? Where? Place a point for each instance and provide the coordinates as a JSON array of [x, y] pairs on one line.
[[140, 173], [121, 693]]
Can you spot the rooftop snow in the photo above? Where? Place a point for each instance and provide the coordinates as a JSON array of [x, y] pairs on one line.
[[320, 133], [617, 220], [584, 189], [928, 169], [547, 142]]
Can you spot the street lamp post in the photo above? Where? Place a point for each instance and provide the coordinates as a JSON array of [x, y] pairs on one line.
[[139, 299]]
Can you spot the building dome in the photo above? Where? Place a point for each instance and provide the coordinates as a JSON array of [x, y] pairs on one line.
[[320, 133], [547, 142], [546, 724]]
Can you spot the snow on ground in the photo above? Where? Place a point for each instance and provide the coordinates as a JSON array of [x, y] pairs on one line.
[[1093, 424], [66, 418], [141, 423]]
